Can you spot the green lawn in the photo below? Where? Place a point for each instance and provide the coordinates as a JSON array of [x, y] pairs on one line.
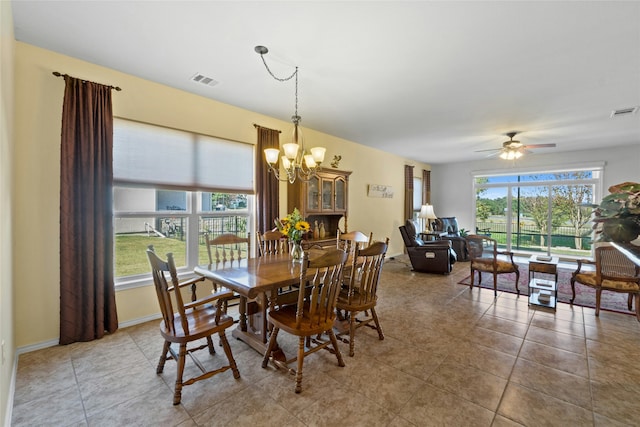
[[131, 256]]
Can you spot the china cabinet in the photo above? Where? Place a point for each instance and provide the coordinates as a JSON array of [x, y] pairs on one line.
[[324, 199]]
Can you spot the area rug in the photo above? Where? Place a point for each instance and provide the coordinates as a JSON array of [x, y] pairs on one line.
[[585, 296]]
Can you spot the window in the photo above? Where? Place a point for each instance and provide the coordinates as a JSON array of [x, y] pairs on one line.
[[537, 212], [170, 188], [417, 198]]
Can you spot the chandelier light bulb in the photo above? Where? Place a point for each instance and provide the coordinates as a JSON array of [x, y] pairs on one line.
[[291, 150], [271, 155]]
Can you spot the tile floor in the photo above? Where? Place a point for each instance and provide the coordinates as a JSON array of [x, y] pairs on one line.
[[451, 356]]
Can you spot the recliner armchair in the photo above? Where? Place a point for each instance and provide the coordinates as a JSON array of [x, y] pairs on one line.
[[428, 257], [449, 225]]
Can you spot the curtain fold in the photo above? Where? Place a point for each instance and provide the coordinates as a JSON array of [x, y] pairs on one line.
[[267, 187], [426, 187], [87, 292], [408, 191]]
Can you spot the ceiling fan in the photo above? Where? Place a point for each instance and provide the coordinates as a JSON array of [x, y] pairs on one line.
[[514, 149]]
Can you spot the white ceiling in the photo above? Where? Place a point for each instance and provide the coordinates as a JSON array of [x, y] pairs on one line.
[[427, 80]]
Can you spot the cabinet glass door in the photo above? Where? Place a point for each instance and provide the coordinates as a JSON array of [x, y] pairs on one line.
[[327, 195], [313, 193], [341, 194]]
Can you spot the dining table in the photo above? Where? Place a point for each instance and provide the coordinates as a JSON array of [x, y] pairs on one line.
[[262, 283]]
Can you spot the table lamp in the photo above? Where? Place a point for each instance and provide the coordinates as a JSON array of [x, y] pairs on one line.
[[426, 211]]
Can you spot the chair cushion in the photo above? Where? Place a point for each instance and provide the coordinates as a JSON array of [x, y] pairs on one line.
[[486, 264], [587, 278], [590, 279]]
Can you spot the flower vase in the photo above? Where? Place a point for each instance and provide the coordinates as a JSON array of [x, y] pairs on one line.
[[296, 252]]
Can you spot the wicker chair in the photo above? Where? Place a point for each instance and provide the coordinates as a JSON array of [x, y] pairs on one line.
[[613, 272]]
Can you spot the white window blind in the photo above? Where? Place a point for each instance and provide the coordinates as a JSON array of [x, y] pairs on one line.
[[150, 155]]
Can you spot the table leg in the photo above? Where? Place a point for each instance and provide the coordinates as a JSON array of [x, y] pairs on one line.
[[277, 352], [243, 313]]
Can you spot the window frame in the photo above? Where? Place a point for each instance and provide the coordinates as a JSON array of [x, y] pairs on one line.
[[596, 181], [193, 213]]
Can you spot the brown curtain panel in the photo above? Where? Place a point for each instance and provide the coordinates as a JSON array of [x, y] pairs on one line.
[[408, 191], [87, 294], [267, 186], [426, 187]]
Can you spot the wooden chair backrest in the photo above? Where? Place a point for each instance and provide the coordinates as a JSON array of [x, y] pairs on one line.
[[271, 243], [611, 264], [228, 247], [353, 240], [320, 282], [481, 246], [159, 270], [365, 271]]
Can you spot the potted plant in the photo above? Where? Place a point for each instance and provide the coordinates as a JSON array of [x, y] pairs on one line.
[[617, 217]]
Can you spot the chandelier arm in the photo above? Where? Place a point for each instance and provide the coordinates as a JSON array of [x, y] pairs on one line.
[[276, 174]]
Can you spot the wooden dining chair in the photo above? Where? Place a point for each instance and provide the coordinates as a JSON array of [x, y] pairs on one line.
[[360, 296], [349, 242], [483, 254], [188, 322], [613, 272], [227, 249], [352, 240], [314, 313], [272, 242]]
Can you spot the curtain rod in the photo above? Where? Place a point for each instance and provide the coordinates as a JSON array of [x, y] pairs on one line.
[[262, 127], [57, 74]]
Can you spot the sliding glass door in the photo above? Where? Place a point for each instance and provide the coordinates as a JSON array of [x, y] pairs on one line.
[[538, 213]]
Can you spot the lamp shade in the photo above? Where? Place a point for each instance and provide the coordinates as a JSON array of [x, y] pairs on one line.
[[426, 211]]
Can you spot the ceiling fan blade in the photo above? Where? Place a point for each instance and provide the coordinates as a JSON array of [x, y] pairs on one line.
[[490, 149], [540, 146]]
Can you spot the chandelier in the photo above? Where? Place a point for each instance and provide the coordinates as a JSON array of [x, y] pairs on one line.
[[296, 161]]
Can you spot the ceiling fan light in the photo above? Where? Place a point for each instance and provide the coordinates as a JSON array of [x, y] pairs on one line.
[[510, 154]]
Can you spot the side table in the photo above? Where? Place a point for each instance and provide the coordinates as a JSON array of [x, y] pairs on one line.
[[543, 292], [435, 235]]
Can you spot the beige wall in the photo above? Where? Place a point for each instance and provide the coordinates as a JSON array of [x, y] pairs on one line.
[[6, 271], [37, 127]]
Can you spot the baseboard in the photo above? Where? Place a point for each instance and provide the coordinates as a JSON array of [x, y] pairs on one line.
[[37, 346], [54, 342], [139, 320]]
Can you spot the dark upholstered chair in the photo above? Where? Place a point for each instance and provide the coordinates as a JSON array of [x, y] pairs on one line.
[[428, 257], [449, 225]]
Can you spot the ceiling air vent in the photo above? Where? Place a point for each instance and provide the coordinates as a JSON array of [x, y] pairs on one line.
[[202, 79], [624, 112]]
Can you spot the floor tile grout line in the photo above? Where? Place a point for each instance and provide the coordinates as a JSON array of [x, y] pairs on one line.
[[75, 375]]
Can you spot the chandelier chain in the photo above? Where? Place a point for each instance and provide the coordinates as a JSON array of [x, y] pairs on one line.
[[296, 162], [284, 79]]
